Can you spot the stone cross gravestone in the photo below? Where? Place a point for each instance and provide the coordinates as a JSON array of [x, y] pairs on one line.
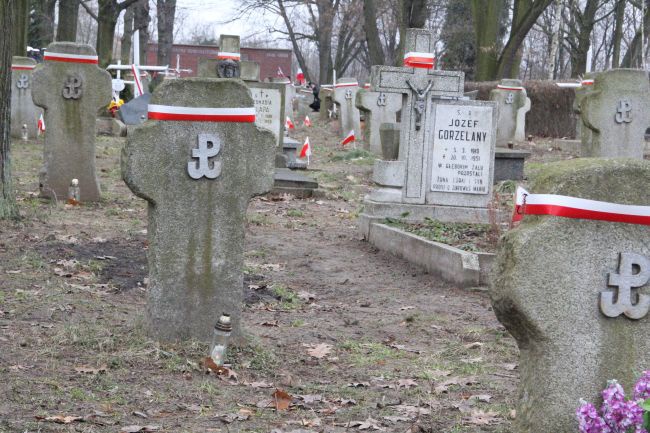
[[586, 85], [418, 85], [71, 88], [250, 71], [510, 95], [198, 162], [616, 112], [289, 94], [326, 103], [23, 110], [378, 107], [574, 293], [344, 96], [228, 61]]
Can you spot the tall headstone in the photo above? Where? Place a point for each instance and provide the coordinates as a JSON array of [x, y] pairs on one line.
[[446, 153], [268, 99], [250, 71], [228, 61], [326, 103], [378, 107], [289, 94], [198, 162], [556, 282], [23, 110], [345, 95], [71, 88], [586, 85], [510, 96], [616, 112]]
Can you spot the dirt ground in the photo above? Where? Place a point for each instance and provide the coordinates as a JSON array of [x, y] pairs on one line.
[[355, 339]]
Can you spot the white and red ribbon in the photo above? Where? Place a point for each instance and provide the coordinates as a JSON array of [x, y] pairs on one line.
[[70, 58], [22, 67], [588, 82], [512, 88], [223, 55], [354, 84], [201, 114], [416, 59], [572, 207], [137, 80]]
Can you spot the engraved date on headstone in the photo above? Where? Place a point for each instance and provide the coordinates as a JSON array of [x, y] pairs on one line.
[[633, 271], [209, 146], [72, 88]]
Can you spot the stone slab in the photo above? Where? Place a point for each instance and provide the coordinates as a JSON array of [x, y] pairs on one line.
[[135, 111], [417, 213], [291, 182], [509, 164], [23, 109]]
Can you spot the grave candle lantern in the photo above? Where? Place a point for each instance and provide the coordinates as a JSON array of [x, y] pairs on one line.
[[220, 339]]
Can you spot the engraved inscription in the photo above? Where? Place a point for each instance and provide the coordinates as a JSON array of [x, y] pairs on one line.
[[209, 146], [22, 82], [381, 100], [633, 271], [623, 111], [510, 98], [72, 88]]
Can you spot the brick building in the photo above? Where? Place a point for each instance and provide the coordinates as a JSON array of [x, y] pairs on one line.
[[270, 59]]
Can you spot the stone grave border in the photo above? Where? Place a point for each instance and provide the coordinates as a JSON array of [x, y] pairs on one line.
[[464, 268]]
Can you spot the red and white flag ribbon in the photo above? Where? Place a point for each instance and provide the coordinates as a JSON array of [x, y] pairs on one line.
[[223, 55], [588, 82], [354, 84], [70, 58], [40, 125], [280, 73], [511, 88], [348, 139], [138, 81], [22, 67], [289, 124], [366, 86], [300, 76], [200, 114], [416, 59], [572, 207], [306, 122], [305, 151]]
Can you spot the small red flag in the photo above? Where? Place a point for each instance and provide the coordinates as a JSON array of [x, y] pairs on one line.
[[348, 139], [306, 149], [289, 124], [307, 122]]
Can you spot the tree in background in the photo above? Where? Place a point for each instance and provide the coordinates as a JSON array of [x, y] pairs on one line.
[[165, 12], [20, 21], [8, 17], [460, 46], [68, 18], [41, 23]]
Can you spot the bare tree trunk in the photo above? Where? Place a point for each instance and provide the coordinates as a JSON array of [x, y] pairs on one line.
[[585, 23], [486, 30], [326, 14], [166, 10], [375, 50], [20, 11], [8, 12], [68, 17], [555, 41], [41, 30], [618, 33], [633, 57], [294, 41], [141, 20], [127, 36]]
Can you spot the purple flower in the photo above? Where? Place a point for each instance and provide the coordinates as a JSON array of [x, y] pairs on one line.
[[589, 420], [642, 387]]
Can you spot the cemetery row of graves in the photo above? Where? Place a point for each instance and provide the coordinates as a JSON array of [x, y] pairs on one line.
[[349, 257]]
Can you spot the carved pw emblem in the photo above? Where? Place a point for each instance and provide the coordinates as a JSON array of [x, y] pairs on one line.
[[22, 82], [348, 94], [72, 88], [510, 98], [381, 100], [633, 271], [623, 111], [209, 146]]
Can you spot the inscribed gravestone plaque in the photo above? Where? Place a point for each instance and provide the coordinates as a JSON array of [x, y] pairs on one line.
[[23, 110], [616, 112], [268, 108], [550, 277], [197, 164], [71, 88]]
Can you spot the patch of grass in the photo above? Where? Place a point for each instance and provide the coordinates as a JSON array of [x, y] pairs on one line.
[[258, 254], [295, 324], [288, 298], [364, 354], [254, 356], [354, 154], [295, 213], [258, 219], [467, 237]]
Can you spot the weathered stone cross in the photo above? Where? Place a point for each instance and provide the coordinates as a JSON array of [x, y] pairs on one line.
[[197, 163], [418, 85], [71, 88]]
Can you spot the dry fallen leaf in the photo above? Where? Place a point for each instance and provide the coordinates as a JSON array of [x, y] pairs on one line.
[[241, 415], [281, 399], [368, 424], [406, 383], [320, 350], [397, 418], [261, 384], [481, 397], [445, 385], [474, 345], [358, 384], [84, 369], [60, 419], [220, 371], [480, 417], [138, 429]]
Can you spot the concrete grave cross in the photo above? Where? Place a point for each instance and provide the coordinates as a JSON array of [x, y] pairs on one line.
[[71, 88], [227, 64], [510, 95], [616, 112], [198, 162], [586, 85], [345, 95], [289, 94], [23, 110], [379, 107], [419, 84], [574, 293]]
